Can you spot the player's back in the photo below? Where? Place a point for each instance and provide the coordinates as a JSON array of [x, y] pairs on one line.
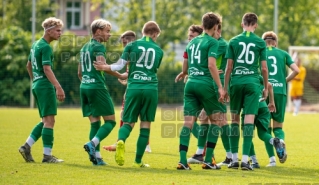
[[92, 78], [145, 57], [247, 50], [199, 50], [277, 60]]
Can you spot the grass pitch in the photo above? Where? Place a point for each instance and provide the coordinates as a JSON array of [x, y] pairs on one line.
[[71, 132]]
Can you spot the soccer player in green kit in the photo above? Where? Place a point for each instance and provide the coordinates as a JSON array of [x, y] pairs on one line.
[[95, 98], [141, 97], [246, 52], [45, 89], [277, 60], [200, 91]]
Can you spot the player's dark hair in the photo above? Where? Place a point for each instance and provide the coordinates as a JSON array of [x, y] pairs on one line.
[[249, 19], [130, 34], [210, 19], [196, 28]]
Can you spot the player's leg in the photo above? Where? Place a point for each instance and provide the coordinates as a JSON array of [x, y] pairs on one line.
[[48, 108], [132, 107], [25, 150], [236, 102], [100, 105], [192, 109], [270, 149], [278, 121], [225, 131], [201, 133], [251, 105]]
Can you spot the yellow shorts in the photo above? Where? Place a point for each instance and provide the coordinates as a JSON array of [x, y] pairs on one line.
[[296, 92]]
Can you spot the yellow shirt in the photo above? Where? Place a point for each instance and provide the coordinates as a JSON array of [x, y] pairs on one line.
[[298, 81]]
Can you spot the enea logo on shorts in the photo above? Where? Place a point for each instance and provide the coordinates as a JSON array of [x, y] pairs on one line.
[[139, 75], [275, 83], [243, 71], [195, 72], [86, 79]]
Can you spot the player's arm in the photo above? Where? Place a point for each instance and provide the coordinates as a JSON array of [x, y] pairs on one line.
[[264, 72], [229, 69], [51, 77], [80, 72], [101, 61], [29, 69], [294, 73], [184, 72], [271, 105]]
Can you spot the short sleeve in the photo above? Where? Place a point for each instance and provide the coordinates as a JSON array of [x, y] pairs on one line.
[[213, 48], [29, 58], [160, 58], [289, 60], [221, 49], [126, 53], [47, 55], [99, 50], [263, 55], [230, 51]]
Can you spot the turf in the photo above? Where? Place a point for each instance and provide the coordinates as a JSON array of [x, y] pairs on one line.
[[71, 132]]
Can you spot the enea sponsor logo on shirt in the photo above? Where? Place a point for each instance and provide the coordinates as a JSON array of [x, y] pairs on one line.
[[36, 76], [242, 71], [139, 75], [87, 80], [195, 72], [275, 83]]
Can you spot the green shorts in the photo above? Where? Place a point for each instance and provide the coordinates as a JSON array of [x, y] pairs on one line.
[[46, 101], [199, 96], [96, 102], [262, 119], [280, 103], [244, 96], [140, 102]]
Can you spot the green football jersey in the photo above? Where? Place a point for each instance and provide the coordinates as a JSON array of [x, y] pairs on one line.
[[198, 51], [92, 78], [145, 58], [41, 54], [246, 50], [221, 60], [277, 60]]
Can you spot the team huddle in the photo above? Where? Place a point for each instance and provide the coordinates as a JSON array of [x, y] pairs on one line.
[[241, 72]]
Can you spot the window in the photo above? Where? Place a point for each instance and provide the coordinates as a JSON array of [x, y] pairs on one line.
[[73, 14]]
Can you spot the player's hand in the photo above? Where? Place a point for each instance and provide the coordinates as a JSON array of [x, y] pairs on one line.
[[221, 93], [60, 94], [180, 76], [124, 76], [226, 97], [186, 78], [272, 107], [265, 94], [220, 71], [99, 65], [123, 82]]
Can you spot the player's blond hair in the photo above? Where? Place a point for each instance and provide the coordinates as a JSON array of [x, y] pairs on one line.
[[151, 27], [100, 24], [51, 22], [270, 38]]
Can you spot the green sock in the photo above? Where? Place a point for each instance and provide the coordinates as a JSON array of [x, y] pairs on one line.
[[195, 130], [184, 138], [47, 137], [124, 132], [105, 129], [279, 133], [141, 144], [37, 131], [252, 150], [269, 147], [212, 137], [94, 128], [225, 130], [202, 135], [248, 132], [234, 137]]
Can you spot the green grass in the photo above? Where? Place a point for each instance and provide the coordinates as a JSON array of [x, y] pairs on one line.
[[71, 132]]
